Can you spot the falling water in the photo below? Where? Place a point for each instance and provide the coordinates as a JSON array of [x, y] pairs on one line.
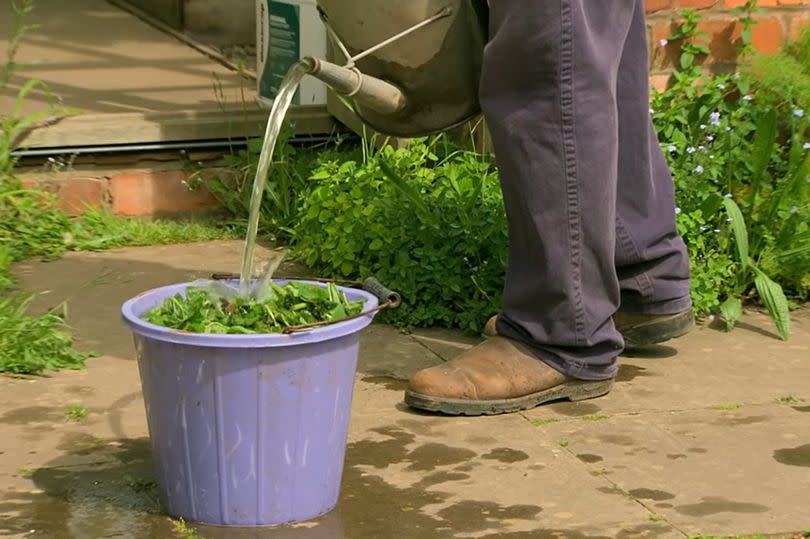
[[281, 103]]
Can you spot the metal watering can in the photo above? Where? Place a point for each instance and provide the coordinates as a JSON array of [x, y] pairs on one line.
[[410, 67]]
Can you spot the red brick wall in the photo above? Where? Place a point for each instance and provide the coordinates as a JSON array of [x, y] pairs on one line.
[[777, 22]]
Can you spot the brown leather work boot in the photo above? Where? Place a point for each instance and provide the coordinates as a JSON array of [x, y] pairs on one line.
[[638, 330], [497, 376]]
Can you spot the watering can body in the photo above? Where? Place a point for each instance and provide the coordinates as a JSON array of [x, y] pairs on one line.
[[436, 66]]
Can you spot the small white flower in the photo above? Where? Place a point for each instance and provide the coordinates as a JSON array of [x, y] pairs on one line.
[[710, 318], [793, 209], [721, 86], [699, 169], [690, 149], [702, 148], [663, 42], [728, 128], [727, 195], [704, 228], [710, 138], [672, 149], [806, 145], [652, 111], [747, 98], [736, 75], [798, 113], [717, 230], [677, 211], [711, 156], [703, 126], [729, 220], [714, 118]]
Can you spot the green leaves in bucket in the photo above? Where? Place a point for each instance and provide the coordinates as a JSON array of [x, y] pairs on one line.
[[208, 309]]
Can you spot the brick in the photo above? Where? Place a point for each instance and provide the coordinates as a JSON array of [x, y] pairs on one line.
[[156, 192], [730, 4], [651, 6], [77, 194], [660, 81], [797, 24]]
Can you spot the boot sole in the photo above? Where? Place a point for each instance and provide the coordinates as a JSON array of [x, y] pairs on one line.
[[572, 391], [658, 331]]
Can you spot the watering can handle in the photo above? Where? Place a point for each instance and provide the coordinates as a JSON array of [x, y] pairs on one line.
[[383, 294]]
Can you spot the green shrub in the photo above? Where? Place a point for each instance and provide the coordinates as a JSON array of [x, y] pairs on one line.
[[426, 220], [738, 154]]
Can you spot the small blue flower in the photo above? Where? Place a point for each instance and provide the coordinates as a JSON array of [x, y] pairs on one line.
[[714, 118], [798, 113], [699, 169], [690, 149], [671, 148], [747, 98]]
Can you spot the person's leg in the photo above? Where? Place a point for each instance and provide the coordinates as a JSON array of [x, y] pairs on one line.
[[549, 95], [651, 259], [548, 92]]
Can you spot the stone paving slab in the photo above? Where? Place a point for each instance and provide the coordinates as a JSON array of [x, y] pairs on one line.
[[667, 454]]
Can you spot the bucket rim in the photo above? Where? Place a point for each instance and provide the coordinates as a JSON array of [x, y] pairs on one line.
[[134, 308]]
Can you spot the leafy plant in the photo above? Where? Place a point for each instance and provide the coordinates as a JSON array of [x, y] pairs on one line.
[[76, 412], [739, 161], [33, 344], [220, 310], [287, 184], [427, 220]]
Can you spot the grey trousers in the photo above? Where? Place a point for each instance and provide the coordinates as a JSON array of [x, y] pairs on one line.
[[587, 191]]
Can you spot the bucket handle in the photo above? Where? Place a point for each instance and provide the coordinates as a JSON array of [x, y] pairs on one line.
[[388, 299]]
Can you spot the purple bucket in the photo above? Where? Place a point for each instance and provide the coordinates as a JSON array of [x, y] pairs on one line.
[[246, 430]]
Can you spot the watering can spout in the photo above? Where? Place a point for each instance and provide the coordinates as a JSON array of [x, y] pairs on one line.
[[370, 92]]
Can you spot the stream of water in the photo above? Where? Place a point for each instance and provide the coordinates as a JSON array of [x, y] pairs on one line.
[[278, 112]]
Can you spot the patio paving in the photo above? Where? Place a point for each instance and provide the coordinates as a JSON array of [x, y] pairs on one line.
[[707, 435]]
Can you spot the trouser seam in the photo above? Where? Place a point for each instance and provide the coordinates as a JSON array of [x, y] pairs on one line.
[[567, 108]]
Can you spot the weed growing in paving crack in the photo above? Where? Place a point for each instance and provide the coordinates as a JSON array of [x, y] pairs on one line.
[[789, 399], [563, 443], [655, 517], [729, 406], [181, 527], [25, 472], [594, 417], [540, 421], [76, 412]]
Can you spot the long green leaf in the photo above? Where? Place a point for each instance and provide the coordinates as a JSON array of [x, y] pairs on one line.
[[738, 227], [775, 301], [731, 311], [764, 141], [404, 187]]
